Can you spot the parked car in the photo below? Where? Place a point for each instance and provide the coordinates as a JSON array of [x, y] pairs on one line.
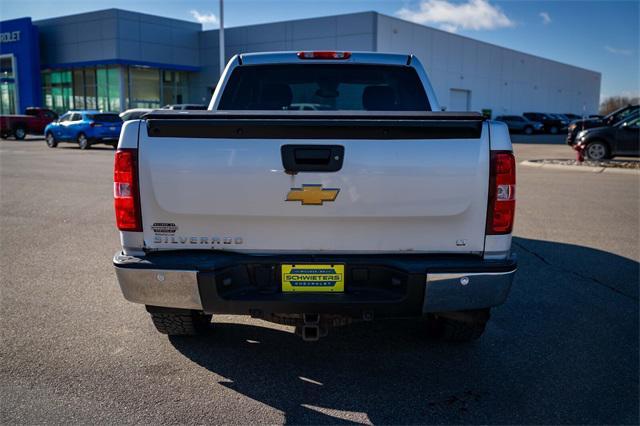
[[33, 122], [572, 117], [609, 120], [517, 123], [85, 128], [562, 117], [550, 124], [309, 207], [621, 139], [563, 120], [134, 114], [185, 107]]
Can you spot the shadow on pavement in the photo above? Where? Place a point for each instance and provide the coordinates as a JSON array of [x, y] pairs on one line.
[[564, 348]]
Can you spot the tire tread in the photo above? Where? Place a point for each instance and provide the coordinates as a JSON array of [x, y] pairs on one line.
[[180, 324], [454, 330]]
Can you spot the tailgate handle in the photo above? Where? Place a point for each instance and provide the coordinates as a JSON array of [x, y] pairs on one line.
[[312, 158]]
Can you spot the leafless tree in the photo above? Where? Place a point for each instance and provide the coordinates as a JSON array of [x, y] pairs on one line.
[[613, 103]]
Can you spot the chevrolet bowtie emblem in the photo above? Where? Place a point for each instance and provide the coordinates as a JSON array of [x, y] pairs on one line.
[[312, 195]]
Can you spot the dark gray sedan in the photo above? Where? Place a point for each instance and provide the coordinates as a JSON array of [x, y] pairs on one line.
[[607, 142], [520, 124]]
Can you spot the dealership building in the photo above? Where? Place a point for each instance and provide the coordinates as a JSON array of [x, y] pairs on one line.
[[114, 60]]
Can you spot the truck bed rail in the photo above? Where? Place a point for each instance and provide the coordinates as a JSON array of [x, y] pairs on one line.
[[314, 124]]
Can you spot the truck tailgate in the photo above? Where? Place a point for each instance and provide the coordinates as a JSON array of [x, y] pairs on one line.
[[413, 182]]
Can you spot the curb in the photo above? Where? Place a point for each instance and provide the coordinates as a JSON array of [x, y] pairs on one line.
[[588, 169]]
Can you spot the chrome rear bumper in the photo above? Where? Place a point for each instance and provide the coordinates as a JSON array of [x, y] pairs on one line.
[[176, 281], [160, 287], [462, 291]]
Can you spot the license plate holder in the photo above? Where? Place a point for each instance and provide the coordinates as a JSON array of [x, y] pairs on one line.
[[312, 278]]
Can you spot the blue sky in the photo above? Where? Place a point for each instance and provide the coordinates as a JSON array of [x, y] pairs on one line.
[[602, 36]]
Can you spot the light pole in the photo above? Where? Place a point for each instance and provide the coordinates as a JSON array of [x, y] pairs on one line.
[[221, 32]]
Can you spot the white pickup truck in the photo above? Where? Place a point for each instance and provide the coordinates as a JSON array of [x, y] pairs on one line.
[[320, 188]]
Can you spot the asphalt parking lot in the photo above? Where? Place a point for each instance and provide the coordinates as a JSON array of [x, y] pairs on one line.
[[563, 349]]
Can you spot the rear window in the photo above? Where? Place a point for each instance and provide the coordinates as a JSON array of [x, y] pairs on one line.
[[105, 118], [322, 87]]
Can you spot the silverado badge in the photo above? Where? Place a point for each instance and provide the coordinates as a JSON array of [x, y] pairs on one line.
[[312, 195]]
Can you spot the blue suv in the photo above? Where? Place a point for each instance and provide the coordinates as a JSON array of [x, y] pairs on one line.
[[84, 128]]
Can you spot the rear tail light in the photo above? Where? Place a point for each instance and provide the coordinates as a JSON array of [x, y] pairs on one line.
[[125, 190], [502, 193], [324, 55]]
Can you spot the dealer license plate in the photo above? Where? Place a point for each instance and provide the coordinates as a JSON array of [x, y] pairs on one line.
[[312, 278]]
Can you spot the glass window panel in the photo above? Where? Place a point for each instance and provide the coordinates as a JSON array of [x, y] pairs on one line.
[[46, 78], [7, 85], [90, 76], [66, 77], [6, 66], [126, 89], [67, 97], [181, 87], [78, 89], [144, 87], [91, 101], [324, 87], [58, 90], [56, 95], [168, 94], [102, 89], [48, 98], [7, 98], [113, 80]]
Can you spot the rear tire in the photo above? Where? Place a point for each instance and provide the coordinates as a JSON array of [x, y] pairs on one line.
[[83, 142], [463, 326], [179, 322], [51, 140], [20, 133]]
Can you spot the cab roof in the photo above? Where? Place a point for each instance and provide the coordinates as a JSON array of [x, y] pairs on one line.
[[351, 57]]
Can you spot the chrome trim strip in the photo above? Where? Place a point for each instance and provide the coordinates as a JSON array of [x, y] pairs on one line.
[[160, 287]]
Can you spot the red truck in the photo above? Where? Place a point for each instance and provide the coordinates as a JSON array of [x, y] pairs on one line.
[[32, 122]]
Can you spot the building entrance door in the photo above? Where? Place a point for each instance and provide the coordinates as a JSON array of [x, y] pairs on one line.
[[459, 100], [8, 104]]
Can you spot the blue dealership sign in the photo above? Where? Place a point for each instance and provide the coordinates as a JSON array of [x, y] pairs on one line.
[[20, 58]]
